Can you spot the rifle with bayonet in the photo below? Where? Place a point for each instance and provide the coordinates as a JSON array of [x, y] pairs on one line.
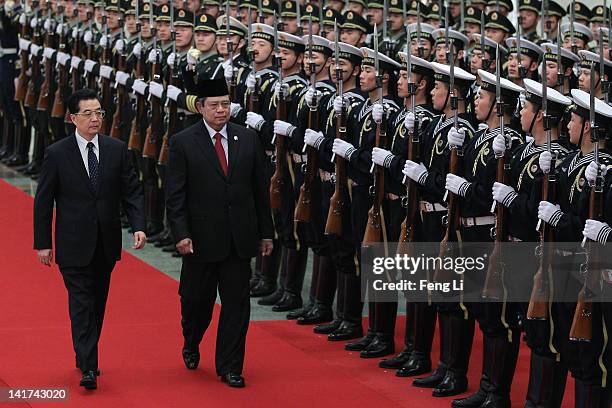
[[277, 182], [22, 80], [91, 55], [572, 32], [44, 98], [337, 202], [31, 96], [522, 71], [387, 41], [303, 209], [117, 122], [135, 141], [420, 48], [105, 82], [298, 10], [59, 107], [255, 95], [486, 63], [560, 70], [373, 232], [230, 50], [150, 148]]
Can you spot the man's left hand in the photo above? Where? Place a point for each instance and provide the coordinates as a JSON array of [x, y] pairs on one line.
[[140, 238], [266, 246]]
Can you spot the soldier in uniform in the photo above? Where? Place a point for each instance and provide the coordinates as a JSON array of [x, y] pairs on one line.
[[551, 22], [310, 16], [587, 58], [288, 13], [435, 16], [582, 36], [396, 30], [529, 11], [527, 67], [582, 14], [421, 40], [505, 7], [212, 8], [354, 29], [568, 80], [498, 28], [327, 27], [459, 43]]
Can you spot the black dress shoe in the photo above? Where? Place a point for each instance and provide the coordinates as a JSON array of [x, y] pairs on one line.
[[17, 161], [473, 401], [169, 248], [163, 242], [362, 343], [417, 364], [346, 331], [271, 299], [89, 380], [431, 381], [327, 328], [302, 311], [233, 380], [191, 359], [78, 365], [316, 315], [496, 401], [288, 302], [452, 384], [379, 347], [33, 169], [397, 361], [263, 288]]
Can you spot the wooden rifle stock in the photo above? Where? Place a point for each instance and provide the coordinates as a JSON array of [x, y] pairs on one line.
[[407, 232], [106, 95], [277, 182], [44, 98], [135, 141], [22, 81], [31, 96], [150, 145], [303, 209], [374, 227], [337, 202], [59, 106], [117, 122], [172, 123]]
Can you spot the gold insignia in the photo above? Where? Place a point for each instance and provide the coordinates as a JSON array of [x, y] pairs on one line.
[[309, 8], [203, 18], [146, 7], [164, 9], [494, 16], [394, 2], [599, 10], [364, 53], [470, 11], [329, 13], [289, 4], [181, 13], [527, 1], [414, 5], [577, 7], [266, 2], [435, 7], [349, 15], [548, 49]]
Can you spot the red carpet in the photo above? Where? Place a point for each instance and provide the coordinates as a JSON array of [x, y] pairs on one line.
[[140, 348]]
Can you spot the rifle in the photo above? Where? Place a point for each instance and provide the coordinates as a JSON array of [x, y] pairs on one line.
[[155, 121], [560, 73], [59, 107], [31, 96], [582, 325], [494, 282], [44, 98], [411, 201], [298, 10], [22, 81], [260, 17], [373, 232], [230, 50], [605, 85], [106, 91], [337, 202], [540, 293], [277, 182], [388, 46], [117, 122], [254, 96], [303, 209], [421, 49], [572, 33], [135, 140], [522, 71], [486, 64]]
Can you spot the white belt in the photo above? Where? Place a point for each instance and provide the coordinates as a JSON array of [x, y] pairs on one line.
[[7, 51], [299, 158], [474, 221], [427, 207]]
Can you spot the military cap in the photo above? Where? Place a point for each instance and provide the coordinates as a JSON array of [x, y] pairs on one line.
[[163, 13], [460, 40], [417, 65], [472, 15], [555, 9], [232, 3], [376, 4], [288, 9], [413, 9], [503, 3], [269, 6], [395, 6], [129, 6], [360, 2], [113, 5], [477, 2], [99, 4], [291, 42], [145, 11], [86, 2], [499, 21], [310, 11], [262, 31], [490, 46], [348, 52], [353, 20], [248, 4], [235, 26], [532, 50], [556, 103], [581, 31], [588, 58], [211, 3], [183, 18], [330, 15], [582, 107], [426, 31], [385, 63], [319, 44], [206, 22], [597, 14], [463, 79], [508, 88], [530, 5], [568, 58], [581, 11], [434, 12]]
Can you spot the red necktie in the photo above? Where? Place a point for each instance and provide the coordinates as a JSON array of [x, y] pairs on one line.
[[220, 153]]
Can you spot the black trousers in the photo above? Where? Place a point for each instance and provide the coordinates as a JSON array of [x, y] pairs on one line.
[[198, 290], [87, 293]]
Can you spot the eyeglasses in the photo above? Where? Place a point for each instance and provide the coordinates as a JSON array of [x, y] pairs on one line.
[[90, 114], [216, 105]]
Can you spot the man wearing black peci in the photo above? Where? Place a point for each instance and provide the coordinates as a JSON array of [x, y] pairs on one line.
[[87, 176], [218, 208]]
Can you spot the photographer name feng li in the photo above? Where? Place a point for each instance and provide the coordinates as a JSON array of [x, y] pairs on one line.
[[405, 285]]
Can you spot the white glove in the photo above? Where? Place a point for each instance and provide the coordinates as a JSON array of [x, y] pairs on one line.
[[171, 59], [416, 171], [106, 71], [503, 194], [591, 172], [48, 53], [409, 122], [156, 89], [227, 72], [382, 157], [191, 60], [34, 22], [457, 185], [499, 145], [59, 29], [137, 50], [140, 87], [311, 96], [24, 44], [88, 37], [313, 138], [338, 104], [47, 25], [283, 128], [545, 160], [89, 65], [23, 19], [62, 58], [255, 120], [121, 77], [35, 50], [103, 41], [549, 213], [343, 149], [173, 92], [119, 46], [250, 81], [154, 56], [456, 137], [75, 32], [377, 112], [75, 62], [234, 109], [597, 231]]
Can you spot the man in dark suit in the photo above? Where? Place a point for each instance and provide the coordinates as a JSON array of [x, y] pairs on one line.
[[88, 176], [218, 208]]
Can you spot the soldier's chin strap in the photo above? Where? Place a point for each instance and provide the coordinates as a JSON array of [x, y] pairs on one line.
[[584, 120], [490, 110]]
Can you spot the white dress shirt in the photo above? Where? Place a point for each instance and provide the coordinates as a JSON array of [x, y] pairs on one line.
[[82, 142], [223, 132]]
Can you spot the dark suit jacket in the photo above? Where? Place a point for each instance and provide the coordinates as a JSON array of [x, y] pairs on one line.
[[210, 208], [80, 211]]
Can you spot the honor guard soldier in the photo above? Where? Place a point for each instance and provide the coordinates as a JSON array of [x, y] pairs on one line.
[[355, 29], [435, 16], [582, 35], [412, 16], [555, 15], [527, 65], [588, 58], [459, 44], [472, 22], [289, 14], [529, 11], [498, 28], [560, 78], [505, 7], [311, 12], [421, 40], [396, 28], [485, 59], [582, 14], [331, 17], [212, 8]]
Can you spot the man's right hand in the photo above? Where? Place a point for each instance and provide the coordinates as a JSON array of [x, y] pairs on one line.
[[185, 246], [45, 256]]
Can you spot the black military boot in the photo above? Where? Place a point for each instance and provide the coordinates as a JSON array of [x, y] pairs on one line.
[[296, 269], [362, 343], [266, 284], [8, 139], [346, 331], [398, 360], [314, 278], [461, 335], [22, 145], [438, 374], [323, 294], [424, 322], [588, 395], [327, 328], [547, 379], [504, 358], [275, 296], [478, 398], [382, 345]]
